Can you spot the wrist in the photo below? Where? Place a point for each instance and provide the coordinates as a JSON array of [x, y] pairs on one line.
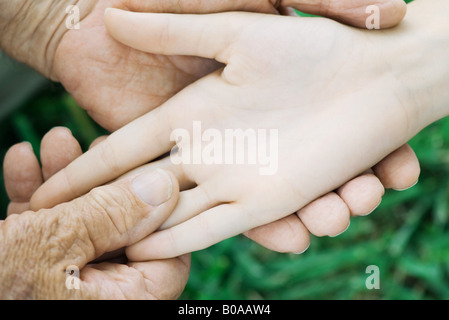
[[33, 29], [416, 53]]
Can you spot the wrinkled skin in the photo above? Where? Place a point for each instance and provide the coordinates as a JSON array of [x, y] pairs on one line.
[[37, 247]]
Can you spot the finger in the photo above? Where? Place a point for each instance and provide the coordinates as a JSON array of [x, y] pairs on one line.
[[192, 202], [207, 36], [400, 170], [202, 6], [194, 234], [117, 215], [162, 279], [362, 194], [326, 216], [58, 149], [17, 208], [288, 234], [353, 12], [22, 175]]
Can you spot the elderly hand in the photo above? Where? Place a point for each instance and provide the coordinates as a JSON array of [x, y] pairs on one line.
[[36, 248]]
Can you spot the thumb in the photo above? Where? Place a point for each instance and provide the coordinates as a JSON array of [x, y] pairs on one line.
[[118, 215]]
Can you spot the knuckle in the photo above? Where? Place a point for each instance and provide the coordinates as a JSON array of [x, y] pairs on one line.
[[61, 233], [72, 189], [108, 156], [115, 206]]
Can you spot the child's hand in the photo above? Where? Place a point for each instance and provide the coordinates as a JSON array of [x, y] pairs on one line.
[[293, 75]]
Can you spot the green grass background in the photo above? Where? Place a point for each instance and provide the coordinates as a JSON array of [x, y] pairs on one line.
[[407, 237]]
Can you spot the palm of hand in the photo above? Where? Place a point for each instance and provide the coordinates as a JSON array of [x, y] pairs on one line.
[[315, 106]]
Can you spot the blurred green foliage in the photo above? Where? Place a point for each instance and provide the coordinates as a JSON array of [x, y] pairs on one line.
[[407, 237], [51, 107]]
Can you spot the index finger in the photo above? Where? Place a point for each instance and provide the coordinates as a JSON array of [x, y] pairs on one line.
[[135, 144]]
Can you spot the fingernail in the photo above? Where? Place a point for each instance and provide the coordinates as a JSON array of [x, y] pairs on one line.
[[27, 145], [153, 188], [302, 250], [377, 206], [65, 129], [408, 187], [342, 231]]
